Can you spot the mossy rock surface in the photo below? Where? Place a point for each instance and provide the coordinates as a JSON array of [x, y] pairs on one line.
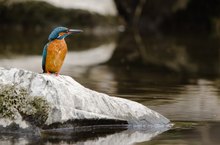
[[16, 100]]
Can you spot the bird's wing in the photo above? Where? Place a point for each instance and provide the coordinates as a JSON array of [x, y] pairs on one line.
[[44, 57]]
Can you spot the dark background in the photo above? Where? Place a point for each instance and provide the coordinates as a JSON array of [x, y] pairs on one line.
[[174, 35]]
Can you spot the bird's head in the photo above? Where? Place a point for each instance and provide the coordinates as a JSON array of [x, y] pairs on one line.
[[61, 33]]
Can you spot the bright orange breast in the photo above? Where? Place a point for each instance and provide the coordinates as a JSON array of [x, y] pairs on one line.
[[56, 52]]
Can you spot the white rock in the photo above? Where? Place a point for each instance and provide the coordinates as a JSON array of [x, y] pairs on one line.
[[69, 100]]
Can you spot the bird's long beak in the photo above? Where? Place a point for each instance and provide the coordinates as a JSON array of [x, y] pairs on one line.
[[74, 31]]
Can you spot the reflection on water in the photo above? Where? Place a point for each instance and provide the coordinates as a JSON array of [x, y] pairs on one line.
[[92, 137], [192, 101], [197, 101], [200, 134], [184, 53]]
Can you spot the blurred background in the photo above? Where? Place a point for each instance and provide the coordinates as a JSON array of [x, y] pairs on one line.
[[164, 54], [174, 35]]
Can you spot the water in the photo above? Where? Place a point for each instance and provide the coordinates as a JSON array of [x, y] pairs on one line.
[[190, 101], [193, 104]]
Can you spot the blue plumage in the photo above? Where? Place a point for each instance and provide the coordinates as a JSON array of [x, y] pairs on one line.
[[55, 33], [44, 57]]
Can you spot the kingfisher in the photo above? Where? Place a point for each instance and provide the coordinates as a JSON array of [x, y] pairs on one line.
[[55, 50]]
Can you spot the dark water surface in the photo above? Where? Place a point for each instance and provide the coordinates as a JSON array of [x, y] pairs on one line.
[[190, 101]]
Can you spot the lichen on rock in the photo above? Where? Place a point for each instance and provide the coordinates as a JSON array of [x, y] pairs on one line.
[[15, 100], [40, 110]]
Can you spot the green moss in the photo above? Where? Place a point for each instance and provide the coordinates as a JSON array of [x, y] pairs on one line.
[[39, 111], [15, 100], [11, 99]]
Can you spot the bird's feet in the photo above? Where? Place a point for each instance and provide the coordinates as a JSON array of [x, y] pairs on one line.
[[56, 74], [48, 73]]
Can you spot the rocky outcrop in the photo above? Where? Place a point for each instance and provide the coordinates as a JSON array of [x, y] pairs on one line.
[[30, 102]]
